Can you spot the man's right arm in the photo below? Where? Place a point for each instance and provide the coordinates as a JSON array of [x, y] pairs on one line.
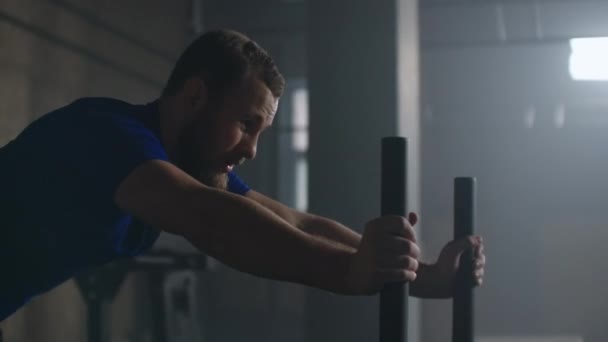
[[231, 228]]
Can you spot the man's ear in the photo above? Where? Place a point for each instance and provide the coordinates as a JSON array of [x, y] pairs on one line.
[[195, 94]]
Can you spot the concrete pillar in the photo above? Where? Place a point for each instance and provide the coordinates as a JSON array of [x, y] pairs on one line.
[[363, 84]]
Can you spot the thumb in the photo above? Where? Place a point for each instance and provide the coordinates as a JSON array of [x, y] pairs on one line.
[[453, 250], [412, 218]]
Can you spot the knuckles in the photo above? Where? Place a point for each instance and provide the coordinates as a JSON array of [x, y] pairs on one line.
[[390, 223], [411, 264]]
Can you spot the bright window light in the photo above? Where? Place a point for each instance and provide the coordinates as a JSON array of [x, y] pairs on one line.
[[302, 184], [589, 59], [300, 119]]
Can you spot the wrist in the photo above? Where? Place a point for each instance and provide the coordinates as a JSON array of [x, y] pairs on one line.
[[358, 281], [352, 284], [417, 287], [335, 274]]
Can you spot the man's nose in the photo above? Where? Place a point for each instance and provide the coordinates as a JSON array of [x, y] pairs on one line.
[[250, 148]]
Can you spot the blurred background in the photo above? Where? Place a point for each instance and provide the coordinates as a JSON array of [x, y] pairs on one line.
[[512, 92]]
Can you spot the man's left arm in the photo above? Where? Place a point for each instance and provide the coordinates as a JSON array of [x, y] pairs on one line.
[[337, 233], [320, 227]]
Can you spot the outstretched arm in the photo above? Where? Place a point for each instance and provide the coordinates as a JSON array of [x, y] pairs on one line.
[[231, 228], [252, 238], [432, 281], [318, 226], [338, 234]]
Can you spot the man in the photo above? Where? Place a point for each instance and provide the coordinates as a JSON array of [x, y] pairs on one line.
[[99, 179]]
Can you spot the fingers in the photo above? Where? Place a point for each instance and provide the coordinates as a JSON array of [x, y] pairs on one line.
[[396, 275], [450, 254], [412, 218], [403, 262], [479, 258], [478, 277], [399, 256], [479, 248], [396, 246], [479, 263], [390, 245], [455, 248], [398, 263], [393, 225], [451, 258]]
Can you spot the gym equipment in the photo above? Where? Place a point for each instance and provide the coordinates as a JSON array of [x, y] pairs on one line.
[[464, 225], [100, 286], [393, 297], [183, 315]]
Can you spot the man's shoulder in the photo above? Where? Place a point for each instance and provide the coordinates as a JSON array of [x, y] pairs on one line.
[[101, 105], [91, 118], [74, 117], [101, 100], [85, 109], [104, 112]]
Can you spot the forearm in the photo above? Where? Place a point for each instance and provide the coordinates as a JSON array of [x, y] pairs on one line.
[[252, 239], [331, 231], [425, 286]]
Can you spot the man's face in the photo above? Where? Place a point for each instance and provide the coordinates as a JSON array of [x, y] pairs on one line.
[[224, 134]]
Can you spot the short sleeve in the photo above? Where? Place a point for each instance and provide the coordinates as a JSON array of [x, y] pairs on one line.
[[236, 184], [110, 147]]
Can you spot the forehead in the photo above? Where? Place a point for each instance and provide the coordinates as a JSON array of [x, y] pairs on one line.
[[252, 96]]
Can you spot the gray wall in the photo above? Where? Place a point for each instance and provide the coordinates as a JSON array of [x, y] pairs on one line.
[[361, 89], [52, 52], [488, 69]]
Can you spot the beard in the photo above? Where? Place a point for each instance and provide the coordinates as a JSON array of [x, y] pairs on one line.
[[218, 180], [191, 159]]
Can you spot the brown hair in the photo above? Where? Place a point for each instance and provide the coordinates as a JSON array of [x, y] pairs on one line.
[[222, 58]]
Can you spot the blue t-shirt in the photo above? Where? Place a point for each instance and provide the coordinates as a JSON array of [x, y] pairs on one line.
[[57, 185]]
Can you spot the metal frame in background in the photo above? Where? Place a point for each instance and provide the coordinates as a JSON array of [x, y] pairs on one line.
[[100, 286]]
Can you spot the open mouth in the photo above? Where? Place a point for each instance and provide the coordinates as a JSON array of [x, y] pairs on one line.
[[229, 165]]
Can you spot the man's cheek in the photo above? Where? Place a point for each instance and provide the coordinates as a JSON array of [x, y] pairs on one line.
[[229, 138]]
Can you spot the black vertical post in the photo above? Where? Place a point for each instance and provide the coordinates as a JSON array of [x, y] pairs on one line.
[[464, 225], [393, 298], [98, 288], [156, 281], [95, 319]]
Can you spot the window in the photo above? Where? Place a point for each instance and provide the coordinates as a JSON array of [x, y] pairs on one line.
[[293, 146], [589, 59], [299, 110]]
